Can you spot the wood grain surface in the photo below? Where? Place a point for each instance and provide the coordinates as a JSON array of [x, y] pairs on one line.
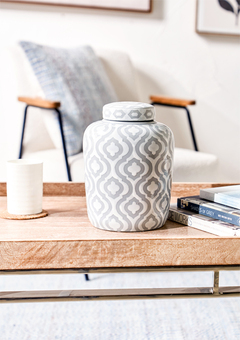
[[179, 189], [56, 189], [39, 102], [172, 101], [66, 239]]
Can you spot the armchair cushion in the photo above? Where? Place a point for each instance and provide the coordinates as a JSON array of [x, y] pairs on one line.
[[192, 166], [77, 79]]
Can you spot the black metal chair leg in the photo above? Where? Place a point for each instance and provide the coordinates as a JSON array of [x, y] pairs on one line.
[[191, 128], [23, 129], [86, 277], [64, 145]]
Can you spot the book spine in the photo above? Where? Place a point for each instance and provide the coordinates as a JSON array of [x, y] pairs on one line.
[[210, 212], [180, 217], [184, 204], [209, 196]]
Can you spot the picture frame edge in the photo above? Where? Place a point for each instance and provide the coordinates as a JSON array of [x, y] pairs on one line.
[[210, 33], [80, 6]]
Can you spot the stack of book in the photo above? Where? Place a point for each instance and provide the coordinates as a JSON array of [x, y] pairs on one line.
[[215, 210]]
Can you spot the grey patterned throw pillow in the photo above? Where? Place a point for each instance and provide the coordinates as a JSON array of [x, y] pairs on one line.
[[77, 79]]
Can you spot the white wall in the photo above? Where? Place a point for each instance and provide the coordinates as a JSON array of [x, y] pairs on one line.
[[170, 59]]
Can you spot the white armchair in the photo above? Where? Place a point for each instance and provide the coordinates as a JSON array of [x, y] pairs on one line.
[[189, 165]]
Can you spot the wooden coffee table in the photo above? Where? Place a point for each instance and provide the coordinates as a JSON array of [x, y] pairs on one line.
[[66, 242]]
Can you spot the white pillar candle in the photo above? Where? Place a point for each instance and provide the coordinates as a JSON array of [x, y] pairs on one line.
[[24, 186]]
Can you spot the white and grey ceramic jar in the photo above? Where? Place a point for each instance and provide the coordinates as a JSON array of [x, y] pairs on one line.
[[128, 168]]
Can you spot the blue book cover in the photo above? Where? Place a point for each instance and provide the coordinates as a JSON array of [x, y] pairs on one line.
[[226, 195], [230, 198], [213, 210]]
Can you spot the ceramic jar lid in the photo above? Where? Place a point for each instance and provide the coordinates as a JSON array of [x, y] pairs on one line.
[[129, 111]]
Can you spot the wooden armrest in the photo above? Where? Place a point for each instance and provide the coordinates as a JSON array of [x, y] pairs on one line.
[[39, 102], [172, 101]]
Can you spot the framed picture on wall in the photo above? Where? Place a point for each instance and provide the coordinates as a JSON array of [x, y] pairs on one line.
[[218, 17], [119, 5]]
